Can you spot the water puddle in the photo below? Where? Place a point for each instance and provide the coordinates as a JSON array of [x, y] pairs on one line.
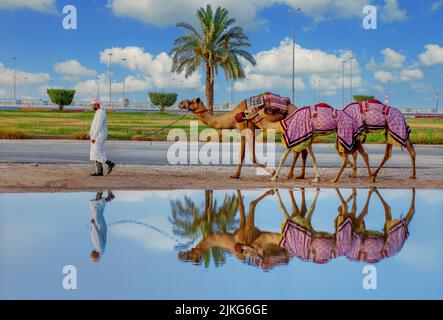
[[224, 244]]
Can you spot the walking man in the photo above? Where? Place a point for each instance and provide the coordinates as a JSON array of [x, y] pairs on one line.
[[98, 135]]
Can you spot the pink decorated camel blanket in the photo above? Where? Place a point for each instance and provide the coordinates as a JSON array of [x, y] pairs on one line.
[[301, 126], [373, 115], [306, 245], [272, 102]]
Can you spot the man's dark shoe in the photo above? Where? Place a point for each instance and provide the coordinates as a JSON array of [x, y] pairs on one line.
[[97, 174], [111, 166]]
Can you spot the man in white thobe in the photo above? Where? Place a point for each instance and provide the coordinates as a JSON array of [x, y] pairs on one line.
[[98, 134], [98, 227]]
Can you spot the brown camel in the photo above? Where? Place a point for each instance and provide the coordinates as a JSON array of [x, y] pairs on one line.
[[228, 121], [247, 243], [306, 123]]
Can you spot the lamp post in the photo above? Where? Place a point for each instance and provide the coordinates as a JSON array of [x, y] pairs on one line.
[[98, 87], [123, 89], [436, 103], [26, 87], [14, 59], [343, 82], [293, 54], [350, 79], [110, 77]]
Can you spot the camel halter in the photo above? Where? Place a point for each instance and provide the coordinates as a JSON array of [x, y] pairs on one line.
[[199, 112]]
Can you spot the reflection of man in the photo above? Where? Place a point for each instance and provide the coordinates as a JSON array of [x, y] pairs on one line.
[[98, 227], [98, 134]]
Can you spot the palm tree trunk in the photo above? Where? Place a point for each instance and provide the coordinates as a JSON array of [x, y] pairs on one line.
[[209, 88]]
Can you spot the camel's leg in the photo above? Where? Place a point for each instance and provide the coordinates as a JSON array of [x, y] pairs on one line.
[[345, 157], [304, 156], [388, 154], [250, 138], [294, 161], [365, 157], [314, 164], [282, 161], [353, 165], [412, 153], [242, 157]]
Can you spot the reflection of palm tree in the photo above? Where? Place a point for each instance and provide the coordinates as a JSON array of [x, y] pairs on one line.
[[191, 221]]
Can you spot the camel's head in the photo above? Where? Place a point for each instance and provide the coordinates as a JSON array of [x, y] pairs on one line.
[[191, 105]]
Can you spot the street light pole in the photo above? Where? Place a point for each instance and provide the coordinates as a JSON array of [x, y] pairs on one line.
[[14, 59], [123, 91], [98, 87], [343, 83], [110, 77], [350, 80], [437, 102], [293, 55], [26, 87]]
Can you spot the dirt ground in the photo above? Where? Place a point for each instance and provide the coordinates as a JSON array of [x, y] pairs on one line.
[[17, 177]]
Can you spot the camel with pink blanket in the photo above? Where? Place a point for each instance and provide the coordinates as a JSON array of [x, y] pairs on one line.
[[300, 128], [373, 116]]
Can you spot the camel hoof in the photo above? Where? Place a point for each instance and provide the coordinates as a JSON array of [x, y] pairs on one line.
[[237, 176], [316, 180], [290, 176], [352, 176], [301, 177], [272, 173], [372, 178], [413, 177], [274, 179]]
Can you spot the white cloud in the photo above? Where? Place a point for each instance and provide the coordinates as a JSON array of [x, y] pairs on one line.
[[437, 5], [7, 76], [411, 74], [73, 69], [274, 69], [392, 13], [383, 76], [433, 55], [166, 13], [392, 59], [37, 5], [148, 72], [155, 70]]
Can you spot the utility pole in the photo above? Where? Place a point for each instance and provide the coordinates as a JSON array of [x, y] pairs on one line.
[[110, 77], [436, 106], [293, 55], [123, 91], [350, 80], [14, 59], [343, 83]]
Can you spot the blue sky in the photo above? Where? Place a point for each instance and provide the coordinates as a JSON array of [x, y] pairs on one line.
[[404, 55]]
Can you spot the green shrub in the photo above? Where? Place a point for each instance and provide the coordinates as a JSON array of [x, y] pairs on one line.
[[162, 100], [61, 97]]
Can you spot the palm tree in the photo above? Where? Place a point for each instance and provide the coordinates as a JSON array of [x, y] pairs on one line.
[[191, 222], [217, 44]]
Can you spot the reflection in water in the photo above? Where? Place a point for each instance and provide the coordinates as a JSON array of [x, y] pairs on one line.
[[218, 232], [98, 227]]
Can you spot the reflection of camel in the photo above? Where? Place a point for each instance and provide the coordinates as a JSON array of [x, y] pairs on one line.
[[247, 243], [228, 121], [351, 239], [98, 227], [303, 125]]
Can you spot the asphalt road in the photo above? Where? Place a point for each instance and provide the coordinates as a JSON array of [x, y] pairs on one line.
[[155, 153]]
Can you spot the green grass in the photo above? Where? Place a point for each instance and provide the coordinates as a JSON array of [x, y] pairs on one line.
[[139, 126]]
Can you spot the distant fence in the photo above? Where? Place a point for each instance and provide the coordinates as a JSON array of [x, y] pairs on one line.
[[148, 107]]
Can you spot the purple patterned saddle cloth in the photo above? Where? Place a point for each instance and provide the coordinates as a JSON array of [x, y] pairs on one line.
[[374, 115], [301, 125]]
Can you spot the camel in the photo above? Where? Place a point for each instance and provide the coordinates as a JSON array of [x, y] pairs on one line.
[[351, 239], [247, 243], [228, 121], [374, 116], [308, 122]]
